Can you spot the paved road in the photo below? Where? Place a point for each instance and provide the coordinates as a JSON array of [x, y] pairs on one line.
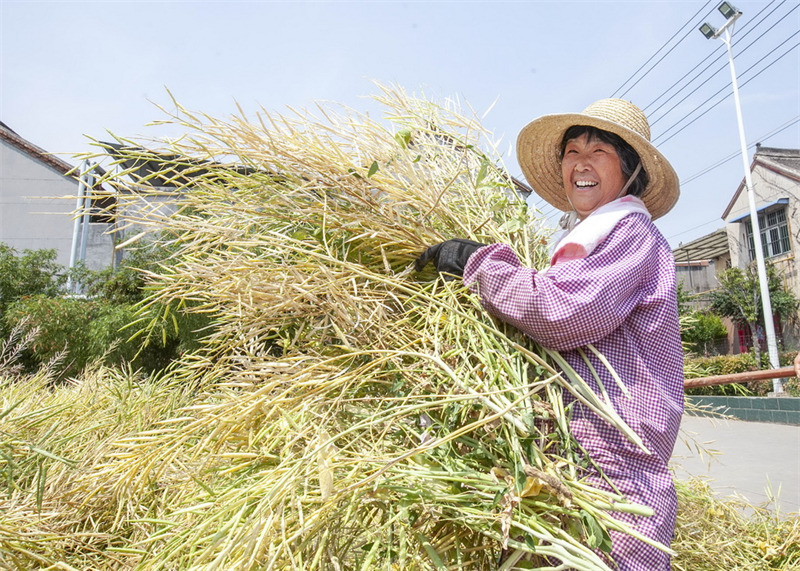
[[753, 457]]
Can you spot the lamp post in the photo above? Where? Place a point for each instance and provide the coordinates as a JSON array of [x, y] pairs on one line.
[[725, 33]]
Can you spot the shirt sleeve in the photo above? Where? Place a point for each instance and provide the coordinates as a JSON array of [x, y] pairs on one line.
[[572, 303]]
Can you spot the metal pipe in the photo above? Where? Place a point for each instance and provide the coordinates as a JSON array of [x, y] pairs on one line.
[[87, 207], [76, 226], [769, 325], [745, 377]]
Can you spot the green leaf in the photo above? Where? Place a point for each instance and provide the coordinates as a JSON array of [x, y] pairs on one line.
[[482, 172], [596, 536], [435, 558], [403, 138], [372, 169], [519, 477], [511, 225]]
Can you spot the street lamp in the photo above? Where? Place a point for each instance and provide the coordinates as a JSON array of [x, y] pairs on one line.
[[724, 33]]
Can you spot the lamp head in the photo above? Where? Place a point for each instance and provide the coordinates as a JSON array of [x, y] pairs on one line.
[[728, 10], [708, 30]]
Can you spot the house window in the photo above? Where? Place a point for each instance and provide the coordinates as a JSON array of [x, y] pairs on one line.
[[774, 234]]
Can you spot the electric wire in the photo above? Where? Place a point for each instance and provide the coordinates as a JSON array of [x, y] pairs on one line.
[[548, 210], [656, 120], [661, 140], [686, 116], [747, 29], [716, 220], [750, 27], [688, 23], [738, 153]]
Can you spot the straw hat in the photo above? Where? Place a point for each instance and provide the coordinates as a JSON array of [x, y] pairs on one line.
[[539, 148]]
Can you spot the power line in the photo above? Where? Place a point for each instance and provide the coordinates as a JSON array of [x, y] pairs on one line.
[[743, 50], [695, 228], [692, 27], [688, 23], [646, 107], [661, 138], [711, 56], [735, 154]]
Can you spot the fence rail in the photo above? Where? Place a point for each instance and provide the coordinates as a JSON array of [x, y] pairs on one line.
[[745, 377]]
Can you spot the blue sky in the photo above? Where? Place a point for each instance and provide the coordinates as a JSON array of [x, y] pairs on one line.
[[74, 69]]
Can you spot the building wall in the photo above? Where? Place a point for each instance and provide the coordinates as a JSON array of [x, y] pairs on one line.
[[34, 213], [36, 206], [769, 187], [697, 277]]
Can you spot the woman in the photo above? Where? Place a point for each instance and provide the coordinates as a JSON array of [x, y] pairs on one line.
[[611, 284]]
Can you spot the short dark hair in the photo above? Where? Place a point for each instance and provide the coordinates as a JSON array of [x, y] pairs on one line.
[[628, 158]]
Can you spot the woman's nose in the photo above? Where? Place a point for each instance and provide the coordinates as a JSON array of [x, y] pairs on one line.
[[581, 163]]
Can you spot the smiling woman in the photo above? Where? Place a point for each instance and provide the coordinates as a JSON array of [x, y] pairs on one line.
[[607, 302]]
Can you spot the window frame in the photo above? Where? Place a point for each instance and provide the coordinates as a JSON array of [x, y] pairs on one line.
[[773, 224]]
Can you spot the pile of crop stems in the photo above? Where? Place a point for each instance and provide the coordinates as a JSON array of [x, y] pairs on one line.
[[345, 412]]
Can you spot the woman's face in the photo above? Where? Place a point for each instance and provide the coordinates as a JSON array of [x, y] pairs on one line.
[[592, 174]]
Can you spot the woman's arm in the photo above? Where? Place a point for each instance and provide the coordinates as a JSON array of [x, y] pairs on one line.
[[573, 303]]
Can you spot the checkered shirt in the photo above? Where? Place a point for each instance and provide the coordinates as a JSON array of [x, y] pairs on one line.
[[622, 299]]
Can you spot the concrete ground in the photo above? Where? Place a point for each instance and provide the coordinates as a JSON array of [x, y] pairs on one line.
[[754, 460]]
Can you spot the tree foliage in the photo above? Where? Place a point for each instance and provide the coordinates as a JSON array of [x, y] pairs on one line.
[[739, 297], [703, 331], [31, 272], [112, 324]]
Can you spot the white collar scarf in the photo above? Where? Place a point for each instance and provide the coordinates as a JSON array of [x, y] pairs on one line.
[[580, 241]]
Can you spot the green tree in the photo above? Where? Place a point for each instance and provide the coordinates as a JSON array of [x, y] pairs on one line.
[[739, 297], [126, 283], [113, 324], [703, 331], [32, 272]]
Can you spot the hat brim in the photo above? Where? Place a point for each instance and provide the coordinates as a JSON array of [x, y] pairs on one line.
[[538, 155]]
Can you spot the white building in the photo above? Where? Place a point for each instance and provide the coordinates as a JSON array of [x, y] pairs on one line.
[[37, 199], [776, 187]]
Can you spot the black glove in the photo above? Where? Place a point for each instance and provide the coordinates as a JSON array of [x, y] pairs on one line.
[[448, 257]]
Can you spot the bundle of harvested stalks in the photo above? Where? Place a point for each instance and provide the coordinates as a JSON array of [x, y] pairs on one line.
[[353, 415], [347, 413]]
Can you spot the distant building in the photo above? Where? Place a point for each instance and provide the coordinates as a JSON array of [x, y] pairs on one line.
[[697, 266], [37, 199], [698, 263], [776, 188]]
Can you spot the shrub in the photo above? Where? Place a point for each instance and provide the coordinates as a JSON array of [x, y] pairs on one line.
[[126, 283], [33, 272], [63, 328], [88, 331], [703, 331], [107, 327]]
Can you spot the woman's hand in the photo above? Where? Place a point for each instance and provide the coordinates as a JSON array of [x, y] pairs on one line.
[[797, 366], [448, 257]]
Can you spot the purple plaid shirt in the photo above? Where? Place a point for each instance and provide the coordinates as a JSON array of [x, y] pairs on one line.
[[622, 299]]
